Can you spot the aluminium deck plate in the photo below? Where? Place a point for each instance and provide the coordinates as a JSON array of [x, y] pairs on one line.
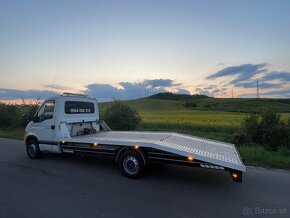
[[214, 152]]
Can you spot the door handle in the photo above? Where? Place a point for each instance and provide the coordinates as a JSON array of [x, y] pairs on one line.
[[52, 127]]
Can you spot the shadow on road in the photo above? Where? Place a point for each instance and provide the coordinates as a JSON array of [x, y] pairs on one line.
[[168, 173]]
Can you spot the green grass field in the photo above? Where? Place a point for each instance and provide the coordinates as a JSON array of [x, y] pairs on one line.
[[165, 115], [258, 156], [243, 105], [12, 133]]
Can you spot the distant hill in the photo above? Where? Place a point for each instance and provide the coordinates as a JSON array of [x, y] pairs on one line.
[[202, 102], [240, 104], [150, 105], [176, 97]]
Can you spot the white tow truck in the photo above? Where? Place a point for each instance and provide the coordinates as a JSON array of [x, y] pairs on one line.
[[70, 123]]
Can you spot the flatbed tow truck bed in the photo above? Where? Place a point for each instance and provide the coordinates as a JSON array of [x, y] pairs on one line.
[[199, 151]]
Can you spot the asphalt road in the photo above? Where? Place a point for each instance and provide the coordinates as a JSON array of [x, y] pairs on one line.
[[70, 186]]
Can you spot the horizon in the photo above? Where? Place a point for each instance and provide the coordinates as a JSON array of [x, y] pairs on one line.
[[128, 50], [39, 101]]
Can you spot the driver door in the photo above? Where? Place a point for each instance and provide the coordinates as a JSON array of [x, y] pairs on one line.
[[44, 125]]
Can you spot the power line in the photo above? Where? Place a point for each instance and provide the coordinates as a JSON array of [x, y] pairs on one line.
[[258, 89], [53, 86]]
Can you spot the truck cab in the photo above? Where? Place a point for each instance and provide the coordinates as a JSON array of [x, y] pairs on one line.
[[78, 113]]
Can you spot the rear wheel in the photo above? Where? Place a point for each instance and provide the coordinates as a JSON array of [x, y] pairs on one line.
[[131, 164], [32, 149]]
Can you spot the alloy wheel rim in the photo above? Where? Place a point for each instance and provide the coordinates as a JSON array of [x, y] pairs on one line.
[[32, 149], [131, 165]]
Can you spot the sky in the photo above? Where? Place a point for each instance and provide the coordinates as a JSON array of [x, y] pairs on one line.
[[131, 49]]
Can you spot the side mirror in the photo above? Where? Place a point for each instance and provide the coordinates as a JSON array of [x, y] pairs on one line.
[[27, 119], [35, 119]]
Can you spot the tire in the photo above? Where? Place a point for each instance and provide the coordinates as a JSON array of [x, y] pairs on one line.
[[131, 164], [33, 150]]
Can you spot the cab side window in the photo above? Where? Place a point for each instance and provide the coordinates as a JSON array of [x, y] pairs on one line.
[[46, 111]]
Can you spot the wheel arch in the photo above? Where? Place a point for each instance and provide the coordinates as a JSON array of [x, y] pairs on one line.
[[139, 151], [29, 137]]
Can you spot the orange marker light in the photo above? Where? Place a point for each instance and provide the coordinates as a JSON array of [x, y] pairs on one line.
[[136, 146], [235, 175], [190, 158]]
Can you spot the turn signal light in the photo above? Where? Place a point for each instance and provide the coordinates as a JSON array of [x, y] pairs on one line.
[[235, 175], [136, 146], [190, 158]]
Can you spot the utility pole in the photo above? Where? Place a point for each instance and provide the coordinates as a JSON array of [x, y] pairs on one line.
[[232, 92], [258, 91]]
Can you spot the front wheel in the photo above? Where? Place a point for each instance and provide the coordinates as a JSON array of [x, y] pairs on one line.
[[131, 164], [32, 149]]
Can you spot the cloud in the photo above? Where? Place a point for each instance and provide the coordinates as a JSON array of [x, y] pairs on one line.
[[242, 72], [160, 83], [263, 85], [56, 87], [285, 93], [245, 76], [127, 91], [210, 87], [183, 91], [201, 91], [103, 92], [11, 94], [212, 90], [281, 92], [277, 75], [132, 90]]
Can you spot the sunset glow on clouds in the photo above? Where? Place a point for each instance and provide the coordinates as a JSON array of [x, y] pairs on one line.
[[128, 50]]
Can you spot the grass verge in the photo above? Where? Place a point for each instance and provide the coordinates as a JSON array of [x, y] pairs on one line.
[[191, 130], [258, 156], [16, 133]]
